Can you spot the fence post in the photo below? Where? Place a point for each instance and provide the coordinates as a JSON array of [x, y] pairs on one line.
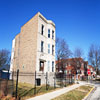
[[13, 82], [46, 81], [7, 83], [60, 80], [0, 73], [54, 80], [8, 75], [69, 78], [65, 79], [35, 84], [17, 83]]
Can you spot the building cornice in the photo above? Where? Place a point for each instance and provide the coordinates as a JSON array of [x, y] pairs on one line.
[[45, 20]]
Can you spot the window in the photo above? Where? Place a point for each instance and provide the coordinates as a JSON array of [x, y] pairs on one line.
[[38, 81], [48, 48], [41, 66], [52, 34], [52, 66], [42, 43], [48, 33], [48, 66], [79, 71], [52, 49], [65, 71], [42, 29], [78, 64]]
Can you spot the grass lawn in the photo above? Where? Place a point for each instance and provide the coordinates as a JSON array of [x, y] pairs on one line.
[[76, 94], [27, 90]]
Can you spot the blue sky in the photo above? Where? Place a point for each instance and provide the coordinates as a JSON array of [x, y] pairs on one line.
[[77, 21]]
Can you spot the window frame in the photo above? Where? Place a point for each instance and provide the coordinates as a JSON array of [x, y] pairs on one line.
[[42, 29], [42, 46], [48, 33], [52, 66], [52, 49], [52, 34]]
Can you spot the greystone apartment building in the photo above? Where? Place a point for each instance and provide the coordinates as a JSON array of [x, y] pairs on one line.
[[33, 49]]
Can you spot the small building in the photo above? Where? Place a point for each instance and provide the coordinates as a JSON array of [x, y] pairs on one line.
[[4, 72]]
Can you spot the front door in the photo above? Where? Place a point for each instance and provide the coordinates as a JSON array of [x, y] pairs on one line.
[[41, 65]]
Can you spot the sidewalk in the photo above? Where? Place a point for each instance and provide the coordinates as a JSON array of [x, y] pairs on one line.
[[51, 95]]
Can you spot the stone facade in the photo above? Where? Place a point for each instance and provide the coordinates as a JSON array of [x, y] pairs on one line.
[[26, 48]]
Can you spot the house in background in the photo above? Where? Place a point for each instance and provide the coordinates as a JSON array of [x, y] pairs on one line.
[[73, 66], [77, 67], [33, 49]]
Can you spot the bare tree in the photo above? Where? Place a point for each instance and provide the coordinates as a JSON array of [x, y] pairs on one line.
[[62, 53], [4, 57], [62, 49], [94, 56], [78, 60], [78, 53]]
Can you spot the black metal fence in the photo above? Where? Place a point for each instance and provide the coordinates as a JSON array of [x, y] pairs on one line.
[[64, 79], [29, 84]]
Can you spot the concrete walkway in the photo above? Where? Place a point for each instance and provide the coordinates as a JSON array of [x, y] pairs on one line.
[[51, 95]]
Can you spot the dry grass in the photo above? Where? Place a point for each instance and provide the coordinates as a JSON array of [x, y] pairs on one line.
[[76, 94], [8, 97]]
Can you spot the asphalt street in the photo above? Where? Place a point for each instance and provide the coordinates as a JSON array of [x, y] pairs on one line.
[[95, 95]]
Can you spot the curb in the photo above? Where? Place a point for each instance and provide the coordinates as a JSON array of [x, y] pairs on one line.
[[88, 93]]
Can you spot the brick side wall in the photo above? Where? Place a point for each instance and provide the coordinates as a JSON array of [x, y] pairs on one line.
[[26, 46]]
